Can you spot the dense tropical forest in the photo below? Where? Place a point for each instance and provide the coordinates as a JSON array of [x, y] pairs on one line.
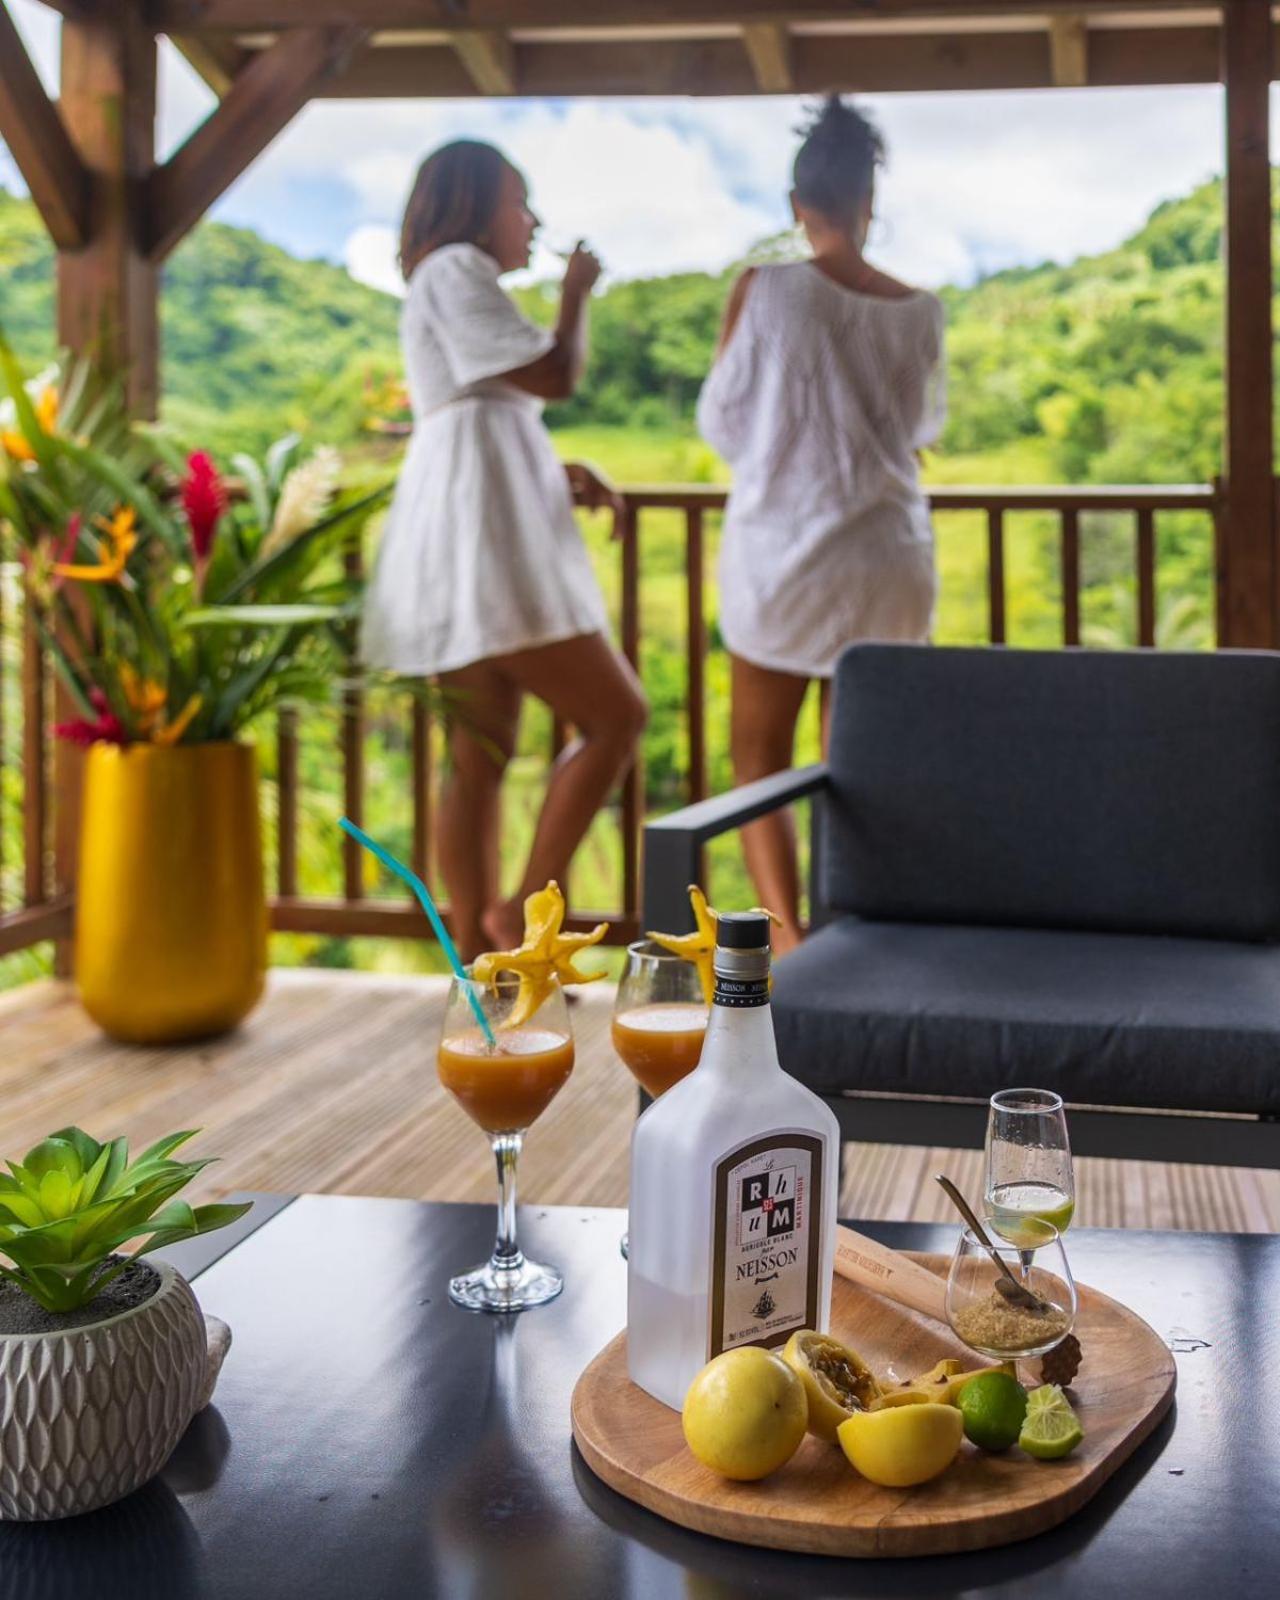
[[1106, 370]]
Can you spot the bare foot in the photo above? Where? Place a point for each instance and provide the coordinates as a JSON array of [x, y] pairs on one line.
[[503, 924]]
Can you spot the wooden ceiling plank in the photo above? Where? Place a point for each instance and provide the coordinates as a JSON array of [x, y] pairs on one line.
[[214, 58], [884, 64], [1069, 51], [265, 97], [182, 16], [769, 51], [32, 126], [489, 58]]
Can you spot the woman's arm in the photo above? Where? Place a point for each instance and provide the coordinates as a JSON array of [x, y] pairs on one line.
[[555, 375], [733, 310]]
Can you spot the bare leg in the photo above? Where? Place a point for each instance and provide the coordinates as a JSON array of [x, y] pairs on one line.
[[482, 734], [591, 687], [766, 707]]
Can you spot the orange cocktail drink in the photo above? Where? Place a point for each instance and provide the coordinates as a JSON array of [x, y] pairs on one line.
[[660, 1043], [505, 1088]]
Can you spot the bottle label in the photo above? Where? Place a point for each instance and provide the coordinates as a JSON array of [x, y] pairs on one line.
[[739, 992], [766, 1249]]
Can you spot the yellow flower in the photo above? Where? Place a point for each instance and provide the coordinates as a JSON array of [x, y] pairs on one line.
[[145, 697], [16, 445], [545, 954], [122, 533], [173, 731]]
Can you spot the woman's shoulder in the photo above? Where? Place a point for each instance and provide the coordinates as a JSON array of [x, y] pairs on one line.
[[453, 264]]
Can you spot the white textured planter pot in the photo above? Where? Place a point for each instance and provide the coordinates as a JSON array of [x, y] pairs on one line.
[[90, 1414]]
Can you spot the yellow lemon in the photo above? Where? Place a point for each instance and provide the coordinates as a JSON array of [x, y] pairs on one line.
[[745, 1413], [903, 1445], [837, 1381]]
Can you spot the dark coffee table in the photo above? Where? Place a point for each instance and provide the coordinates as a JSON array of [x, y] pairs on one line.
[[370, 1441]]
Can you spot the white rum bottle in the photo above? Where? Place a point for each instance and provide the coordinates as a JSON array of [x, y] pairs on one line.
[[734, 1176]]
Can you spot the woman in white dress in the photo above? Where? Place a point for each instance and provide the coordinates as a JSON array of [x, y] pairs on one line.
[[827, 381], [482, 579]]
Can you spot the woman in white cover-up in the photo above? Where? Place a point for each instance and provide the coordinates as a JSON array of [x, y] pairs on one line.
[[826, 384], [482, 579]]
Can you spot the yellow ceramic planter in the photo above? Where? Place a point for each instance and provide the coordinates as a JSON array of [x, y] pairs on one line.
[[171, 922]]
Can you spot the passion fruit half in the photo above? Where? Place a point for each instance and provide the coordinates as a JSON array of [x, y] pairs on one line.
[[837, 1381]]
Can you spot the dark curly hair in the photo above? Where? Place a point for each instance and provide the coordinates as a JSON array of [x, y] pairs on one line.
[[835, 166]]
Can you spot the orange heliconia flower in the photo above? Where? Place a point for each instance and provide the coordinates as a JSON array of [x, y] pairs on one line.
[[122, 533], [16, 445]]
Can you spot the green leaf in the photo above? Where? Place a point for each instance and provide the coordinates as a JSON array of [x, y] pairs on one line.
[[255, 487], [86, 1148], [282, 559], [54, 1154], [279, 460], [281, 616], [166, 1146]]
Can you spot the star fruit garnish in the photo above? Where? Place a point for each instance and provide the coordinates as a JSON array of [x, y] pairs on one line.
[[545, 955], [700, 945]]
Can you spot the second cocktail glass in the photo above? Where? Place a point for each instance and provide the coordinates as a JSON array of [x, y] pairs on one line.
[[1029, 1172], [505, 1088], [659, 1019]]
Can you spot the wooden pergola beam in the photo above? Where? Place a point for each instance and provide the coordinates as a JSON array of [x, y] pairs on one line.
[[768, 49], [450, 15], [865, 63], [266, 95], [32, 127], [1069, 51], [489, 59], [215, 59]]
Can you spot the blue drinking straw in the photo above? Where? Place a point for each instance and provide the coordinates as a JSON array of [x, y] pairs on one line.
[[423, 894]]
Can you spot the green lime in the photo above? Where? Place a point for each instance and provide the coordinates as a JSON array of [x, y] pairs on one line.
[[993, 1405], [1052, 1429]]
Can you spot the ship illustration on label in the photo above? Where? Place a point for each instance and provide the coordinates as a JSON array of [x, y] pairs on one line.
[[766, 1243]]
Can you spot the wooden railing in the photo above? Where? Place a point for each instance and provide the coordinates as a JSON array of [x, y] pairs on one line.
[[34, 912]]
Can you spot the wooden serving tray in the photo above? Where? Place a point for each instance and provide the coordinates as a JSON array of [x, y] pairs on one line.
[[818, 1503]]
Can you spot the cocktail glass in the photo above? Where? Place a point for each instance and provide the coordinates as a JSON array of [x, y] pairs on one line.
[[659, 1019], [505, 1088], [1029, 1173]]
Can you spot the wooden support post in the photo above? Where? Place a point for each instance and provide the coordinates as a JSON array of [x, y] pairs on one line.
[[266, 96], [107, 290], [489, 58], [769, 48], [1069, 51], [1247, 556], [39, 143]]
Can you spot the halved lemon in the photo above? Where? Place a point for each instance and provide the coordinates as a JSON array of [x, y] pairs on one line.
[[837, 1381], [904, 1445]]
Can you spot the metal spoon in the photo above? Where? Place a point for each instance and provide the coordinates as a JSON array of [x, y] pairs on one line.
[[1015, 1293]]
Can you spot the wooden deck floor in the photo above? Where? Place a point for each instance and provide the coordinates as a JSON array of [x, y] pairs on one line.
[[331, 1087]]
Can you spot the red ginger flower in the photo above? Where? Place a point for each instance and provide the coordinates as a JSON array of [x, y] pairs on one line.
[[204, 499], [107, 729]]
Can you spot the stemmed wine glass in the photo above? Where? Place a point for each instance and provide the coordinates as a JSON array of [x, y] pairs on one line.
[[659, 1019], [1029, 1174], [985, 1319], [505, 1088]]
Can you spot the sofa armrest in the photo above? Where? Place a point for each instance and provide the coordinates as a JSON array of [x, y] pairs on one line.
[[673, 844]]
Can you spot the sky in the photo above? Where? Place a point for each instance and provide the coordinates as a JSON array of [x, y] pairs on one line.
[[974, 182]]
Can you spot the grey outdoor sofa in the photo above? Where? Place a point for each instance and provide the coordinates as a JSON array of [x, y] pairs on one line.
[[1056, 868]]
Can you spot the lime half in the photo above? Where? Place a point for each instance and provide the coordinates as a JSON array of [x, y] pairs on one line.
[[1052, 1429], [993, 1406]]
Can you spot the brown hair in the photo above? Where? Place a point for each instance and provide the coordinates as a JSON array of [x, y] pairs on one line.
[[836, 164], [453, 199]]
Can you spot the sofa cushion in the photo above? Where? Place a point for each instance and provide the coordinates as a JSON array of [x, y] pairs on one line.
[[1106, 1019], [1127, 791]]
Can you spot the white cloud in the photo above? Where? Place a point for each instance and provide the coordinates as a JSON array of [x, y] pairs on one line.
[[370, 257]]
